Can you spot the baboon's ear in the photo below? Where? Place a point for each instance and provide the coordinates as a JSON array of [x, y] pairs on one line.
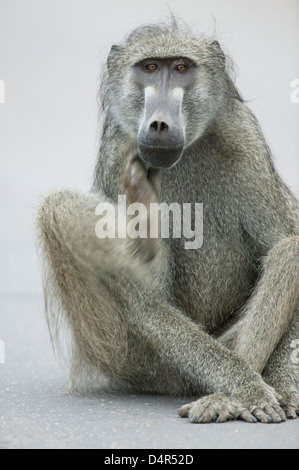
[[112, 55], [113, 51], [217, 48]]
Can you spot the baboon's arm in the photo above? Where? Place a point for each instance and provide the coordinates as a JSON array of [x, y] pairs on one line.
[[269, 215], [267, 209]]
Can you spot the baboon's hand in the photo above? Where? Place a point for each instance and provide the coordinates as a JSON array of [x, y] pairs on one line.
[[259, 404], [217, 407], [142, 186]]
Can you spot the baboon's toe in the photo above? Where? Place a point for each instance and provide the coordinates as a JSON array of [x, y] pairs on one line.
[[291, 404]]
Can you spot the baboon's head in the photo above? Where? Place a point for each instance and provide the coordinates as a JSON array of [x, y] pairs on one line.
[[164, 87]]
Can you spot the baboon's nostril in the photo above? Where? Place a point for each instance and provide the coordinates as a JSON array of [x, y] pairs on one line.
[[163, 126], [159, 126], [154, 126]]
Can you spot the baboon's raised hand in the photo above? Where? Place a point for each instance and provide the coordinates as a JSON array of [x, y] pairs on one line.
[[142, 188]]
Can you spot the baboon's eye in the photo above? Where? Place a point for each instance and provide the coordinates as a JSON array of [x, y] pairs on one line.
[[151, 67], [181, 67]]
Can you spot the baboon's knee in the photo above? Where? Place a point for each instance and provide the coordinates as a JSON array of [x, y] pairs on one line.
[[294, 242], [54, 204], [284, 256], [286, 246], [52, 213]]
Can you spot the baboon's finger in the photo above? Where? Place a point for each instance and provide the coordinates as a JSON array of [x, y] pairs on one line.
[[184, 410], [248, 417], [261, 416]]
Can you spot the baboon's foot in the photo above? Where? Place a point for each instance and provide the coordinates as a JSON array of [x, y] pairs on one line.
[[291, 407], [286, 385], [143, 186], [261, 401]]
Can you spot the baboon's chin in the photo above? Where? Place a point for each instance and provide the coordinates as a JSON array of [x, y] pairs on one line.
[[160, 157]]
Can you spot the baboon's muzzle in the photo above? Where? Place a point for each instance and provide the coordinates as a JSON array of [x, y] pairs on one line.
[[160, 157], [161, 136]]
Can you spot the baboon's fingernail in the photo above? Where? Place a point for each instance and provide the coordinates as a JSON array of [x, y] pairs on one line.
[[201, 419]]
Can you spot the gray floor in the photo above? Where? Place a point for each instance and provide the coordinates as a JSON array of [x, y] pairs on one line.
[[37, 412]]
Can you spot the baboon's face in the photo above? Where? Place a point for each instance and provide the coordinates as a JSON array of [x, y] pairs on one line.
[[166, 105], [161, 132]]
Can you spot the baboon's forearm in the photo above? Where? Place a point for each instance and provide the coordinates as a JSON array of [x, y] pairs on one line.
[[198, 359]]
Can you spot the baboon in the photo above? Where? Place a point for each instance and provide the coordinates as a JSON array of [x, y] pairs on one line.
[[147, 314]]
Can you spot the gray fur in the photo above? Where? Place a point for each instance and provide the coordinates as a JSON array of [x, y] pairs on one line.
[[161, 323]]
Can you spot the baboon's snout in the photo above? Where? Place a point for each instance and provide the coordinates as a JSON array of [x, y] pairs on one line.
[[161, 136]]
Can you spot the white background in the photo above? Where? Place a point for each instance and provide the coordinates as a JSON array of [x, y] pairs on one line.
[[51, 53]]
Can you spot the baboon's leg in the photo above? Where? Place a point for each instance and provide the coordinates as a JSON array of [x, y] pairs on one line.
[[271, 308], [75, 265], [282, 369]]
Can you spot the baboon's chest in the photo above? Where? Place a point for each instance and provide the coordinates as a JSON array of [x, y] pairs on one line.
[[215, 279]]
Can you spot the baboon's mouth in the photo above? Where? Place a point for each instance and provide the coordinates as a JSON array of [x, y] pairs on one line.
[[160, 157]]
